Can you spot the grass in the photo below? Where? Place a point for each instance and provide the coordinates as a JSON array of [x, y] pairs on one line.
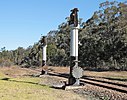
[[13, 90], [23, 89], [112, 75], [16, 84], [28, 88]]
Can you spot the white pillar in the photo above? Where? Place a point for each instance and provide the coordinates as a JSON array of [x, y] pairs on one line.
[[73, 55], [44, 58], [44, 53], [74, 41]]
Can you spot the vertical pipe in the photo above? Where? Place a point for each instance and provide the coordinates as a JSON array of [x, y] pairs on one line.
[[44, 46], [44, 53], [73, 55], [74, 42]]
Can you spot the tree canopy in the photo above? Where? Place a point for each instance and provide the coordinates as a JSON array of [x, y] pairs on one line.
[[103, 39]]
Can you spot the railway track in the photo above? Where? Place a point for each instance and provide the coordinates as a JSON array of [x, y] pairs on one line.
[[120, 87], [106, 84]]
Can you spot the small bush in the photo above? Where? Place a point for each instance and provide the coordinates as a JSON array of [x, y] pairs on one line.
[[5, 63]]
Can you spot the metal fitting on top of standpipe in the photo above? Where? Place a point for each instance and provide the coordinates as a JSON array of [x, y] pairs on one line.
[[74, 17], [43, 40]]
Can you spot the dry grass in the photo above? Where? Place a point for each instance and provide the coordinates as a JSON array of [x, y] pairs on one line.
[[105, 74], [15, 86], [121, 75], [59, 69]]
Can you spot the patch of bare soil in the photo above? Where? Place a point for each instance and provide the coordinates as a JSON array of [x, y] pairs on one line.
[[59, 69], [16, 71]]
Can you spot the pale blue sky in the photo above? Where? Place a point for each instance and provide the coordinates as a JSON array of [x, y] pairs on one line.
[[23, 21]]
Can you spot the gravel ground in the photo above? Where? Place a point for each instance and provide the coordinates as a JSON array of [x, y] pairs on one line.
[[101, 93], [89, 91]]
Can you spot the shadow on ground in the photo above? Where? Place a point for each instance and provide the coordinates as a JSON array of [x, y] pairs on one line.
[[10, 80]]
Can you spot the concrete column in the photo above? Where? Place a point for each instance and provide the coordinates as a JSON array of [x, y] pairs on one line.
[[44, 58], [44, 53], [73, 55]]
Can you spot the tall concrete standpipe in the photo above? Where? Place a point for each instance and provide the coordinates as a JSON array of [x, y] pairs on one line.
[[75, 71], [44, 47]]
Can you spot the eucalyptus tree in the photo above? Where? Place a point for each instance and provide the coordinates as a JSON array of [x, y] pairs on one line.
[[104, 37]]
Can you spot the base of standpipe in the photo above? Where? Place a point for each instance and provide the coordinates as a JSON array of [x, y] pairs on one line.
[[71, 80], [65, 86], [74, 81], [44, 72], [77, 82], [74, 86]]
